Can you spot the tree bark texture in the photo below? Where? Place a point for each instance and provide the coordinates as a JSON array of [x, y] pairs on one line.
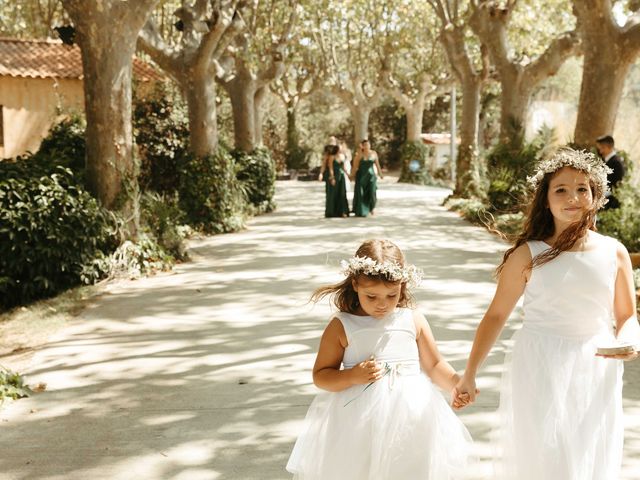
[[107, 54], [415, 115], [200, 92], [242, 93], [609, 51], [468, 148]]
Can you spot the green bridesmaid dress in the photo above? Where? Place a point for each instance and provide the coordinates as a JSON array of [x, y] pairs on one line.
[[336, 204], [364, 193]]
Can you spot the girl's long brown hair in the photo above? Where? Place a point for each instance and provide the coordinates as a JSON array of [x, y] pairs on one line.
[[539, 225], [345, 298]]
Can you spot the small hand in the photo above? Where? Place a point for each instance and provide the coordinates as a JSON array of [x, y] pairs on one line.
[[464, 393], [366, 372], [459, 400], [332, 181]]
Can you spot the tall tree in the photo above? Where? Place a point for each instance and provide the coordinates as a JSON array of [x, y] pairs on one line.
[[254, 61], [207, 28], [412, 60], [299, 80], [519, 75], [348, 35], [609, 51], [470, 64], [107, 54]]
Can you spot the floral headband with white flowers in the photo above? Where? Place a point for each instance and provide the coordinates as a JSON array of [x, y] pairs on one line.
[[580, 160], [409, 274]]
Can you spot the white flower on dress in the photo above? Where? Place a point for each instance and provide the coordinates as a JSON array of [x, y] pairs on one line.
[[581, 160], [393, 271]]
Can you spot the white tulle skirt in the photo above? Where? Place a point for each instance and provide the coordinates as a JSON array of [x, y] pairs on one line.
[[399, 428], [561, 410]]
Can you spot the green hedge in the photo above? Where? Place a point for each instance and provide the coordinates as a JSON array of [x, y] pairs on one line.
[[623, 223], [161, 132], [257, 174], [51, 232], [413, 156], [210, 194]]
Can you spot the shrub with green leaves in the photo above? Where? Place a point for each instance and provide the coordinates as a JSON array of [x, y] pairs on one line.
[[64, 146], [51, 232], [623, 223], [413, 156], [257, 174], [161, 132], [12, 386], [210, 193], [162, 217], [509, 164]]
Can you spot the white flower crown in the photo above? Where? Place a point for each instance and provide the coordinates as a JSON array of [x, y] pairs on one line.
[[409, 274], [580, 160]]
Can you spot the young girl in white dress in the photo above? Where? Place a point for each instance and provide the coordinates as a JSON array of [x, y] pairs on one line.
[[561, 404], [382, 416]]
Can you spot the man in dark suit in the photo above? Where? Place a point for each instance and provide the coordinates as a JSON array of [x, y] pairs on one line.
[[606, 149]]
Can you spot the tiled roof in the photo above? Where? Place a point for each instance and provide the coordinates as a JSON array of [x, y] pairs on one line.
[[52, 59]]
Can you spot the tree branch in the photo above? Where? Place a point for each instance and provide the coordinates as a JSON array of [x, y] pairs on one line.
[[552, 59]]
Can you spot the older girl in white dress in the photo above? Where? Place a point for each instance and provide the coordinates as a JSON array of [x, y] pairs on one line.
[[561, 403]]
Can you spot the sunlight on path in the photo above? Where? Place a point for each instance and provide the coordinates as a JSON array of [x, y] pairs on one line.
[[205, 373]]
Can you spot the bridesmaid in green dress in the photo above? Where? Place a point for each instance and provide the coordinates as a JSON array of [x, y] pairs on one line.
[[332, 173], [364, 193]]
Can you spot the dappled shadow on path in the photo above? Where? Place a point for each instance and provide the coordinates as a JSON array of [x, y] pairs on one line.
[[205, 373]]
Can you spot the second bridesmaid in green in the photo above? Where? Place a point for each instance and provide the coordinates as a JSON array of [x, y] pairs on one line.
[[365, 174], [332, 172]]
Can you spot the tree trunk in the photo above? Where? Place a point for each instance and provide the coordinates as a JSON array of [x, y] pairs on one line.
[[107, 54], [603, 76], [200, 93], [515, 100], [258, 116], [242, 96], [293, 138], [597, 113], [107, 85], [468, 149], [414, 121], [360, 122]]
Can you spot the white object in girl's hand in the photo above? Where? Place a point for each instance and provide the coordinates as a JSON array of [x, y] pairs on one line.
[[617, 348]]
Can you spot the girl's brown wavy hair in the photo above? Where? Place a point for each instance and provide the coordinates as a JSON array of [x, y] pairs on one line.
[[345, 298], [539, 225]]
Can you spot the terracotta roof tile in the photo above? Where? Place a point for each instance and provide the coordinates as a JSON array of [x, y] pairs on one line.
[[53, 59]]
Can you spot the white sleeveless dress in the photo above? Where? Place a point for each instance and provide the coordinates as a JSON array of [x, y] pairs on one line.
[[399, 428], [561, 405]]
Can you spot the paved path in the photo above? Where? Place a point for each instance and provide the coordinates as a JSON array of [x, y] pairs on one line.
[[205, 373]]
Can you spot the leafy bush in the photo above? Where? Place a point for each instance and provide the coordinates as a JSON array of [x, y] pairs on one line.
[[133, 260], [210, 194], [509, 165], [162, 217], [299, 158], [161, 132], [257, 174], [12, 386], [64, 146], [51, 232], [623, 223], [413, 157]]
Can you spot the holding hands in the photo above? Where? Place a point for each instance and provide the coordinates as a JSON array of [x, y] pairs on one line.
[[464, 393]]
